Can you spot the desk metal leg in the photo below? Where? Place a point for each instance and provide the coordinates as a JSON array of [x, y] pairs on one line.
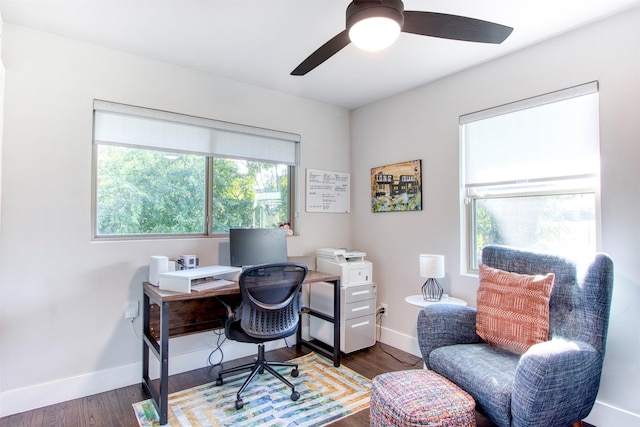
[[336, 324], [161, 351], [335, 354], [146, 308], [164, 362]]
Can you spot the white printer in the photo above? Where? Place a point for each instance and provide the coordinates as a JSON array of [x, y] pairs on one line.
[[349, 264], [357, 299]]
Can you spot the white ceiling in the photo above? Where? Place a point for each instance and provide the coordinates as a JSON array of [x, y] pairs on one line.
[[261, 41]]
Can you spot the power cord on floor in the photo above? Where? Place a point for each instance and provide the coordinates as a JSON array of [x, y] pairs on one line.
[[220, 340], [402, 362], [221, 337]]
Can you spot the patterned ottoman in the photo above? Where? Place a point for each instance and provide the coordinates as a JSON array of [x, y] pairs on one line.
[[419, 398]]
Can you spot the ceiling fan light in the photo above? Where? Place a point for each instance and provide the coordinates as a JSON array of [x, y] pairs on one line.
[[374, 24], [375, 33]]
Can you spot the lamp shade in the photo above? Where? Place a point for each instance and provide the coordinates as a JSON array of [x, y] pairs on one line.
[[431, 266]]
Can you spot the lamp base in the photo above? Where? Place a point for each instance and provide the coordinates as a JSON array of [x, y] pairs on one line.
[[431, 290]]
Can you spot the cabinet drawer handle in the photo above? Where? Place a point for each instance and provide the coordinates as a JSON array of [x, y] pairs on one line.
[[360, 293], [364, 307], [355, 325]]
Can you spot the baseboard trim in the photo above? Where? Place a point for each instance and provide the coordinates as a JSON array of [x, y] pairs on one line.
[[399, 340], [602, 414], [605, 415], [50, 393]]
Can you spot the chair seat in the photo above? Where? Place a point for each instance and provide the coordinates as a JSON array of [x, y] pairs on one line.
[[485, 372], [235, 332]]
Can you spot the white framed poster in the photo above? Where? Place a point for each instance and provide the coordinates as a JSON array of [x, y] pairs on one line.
[[328, 191]]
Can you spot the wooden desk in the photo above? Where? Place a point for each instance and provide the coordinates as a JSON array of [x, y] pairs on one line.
[[167, 314]]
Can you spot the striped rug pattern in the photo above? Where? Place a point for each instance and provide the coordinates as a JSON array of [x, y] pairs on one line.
[[327, 393]]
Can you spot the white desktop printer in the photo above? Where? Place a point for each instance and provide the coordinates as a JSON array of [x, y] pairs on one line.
[[349, 264]]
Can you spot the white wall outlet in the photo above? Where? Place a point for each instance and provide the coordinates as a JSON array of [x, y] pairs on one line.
[[385, 309], [131, 311]]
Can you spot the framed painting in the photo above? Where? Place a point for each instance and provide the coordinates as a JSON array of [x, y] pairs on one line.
[[397, 187]]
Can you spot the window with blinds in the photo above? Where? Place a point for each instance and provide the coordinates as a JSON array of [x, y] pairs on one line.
[[158, 173], [531, 174]]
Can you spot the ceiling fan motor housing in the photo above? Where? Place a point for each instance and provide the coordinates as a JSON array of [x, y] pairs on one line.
[[359, 10]]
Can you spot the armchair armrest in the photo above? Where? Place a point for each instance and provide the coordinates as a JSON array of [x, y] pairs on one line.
[[440, 325], [556, 383]]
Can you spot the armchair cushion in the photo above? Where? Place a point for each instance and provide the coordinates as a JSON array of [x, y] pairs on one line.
[[513, 309], [519, 390], [485, 372]]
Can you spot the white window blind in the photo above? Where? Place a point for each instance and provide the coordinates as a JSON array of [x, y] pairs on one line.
[[120, 124], [519, 144]]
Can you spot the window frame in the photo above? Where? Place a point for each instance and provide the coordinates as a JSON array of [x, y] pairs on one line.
[[559, 186], [470, 211], [252, 132], [292, 201]]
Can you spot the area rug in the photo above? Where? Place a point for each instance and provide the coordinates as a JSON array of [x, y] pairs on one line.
[[327, 394]]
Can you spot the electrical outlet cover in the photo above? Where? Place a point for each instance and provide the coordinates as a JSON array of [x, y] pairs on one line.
[[131, 311]]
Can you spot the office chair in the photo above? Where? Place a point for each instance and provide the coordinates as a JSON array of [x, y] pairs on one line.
[[269, 311]]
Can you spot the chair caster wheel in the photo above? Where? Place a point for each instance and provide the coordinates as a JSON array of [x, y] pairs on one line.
[[218, 382], [295, 372], [295, 396], [239, 404]]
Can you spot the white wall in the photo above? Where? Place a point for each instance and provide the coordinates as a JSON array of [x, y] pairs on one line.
[[62, 296], [423, 124]]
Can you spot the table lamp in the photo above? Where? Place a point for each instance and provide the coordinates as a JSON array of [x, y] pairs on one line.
[[431, 267]]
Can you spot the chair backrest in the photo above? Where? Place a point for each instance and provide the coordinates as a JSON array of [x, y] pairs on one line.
[[580, 301], [270, 307]]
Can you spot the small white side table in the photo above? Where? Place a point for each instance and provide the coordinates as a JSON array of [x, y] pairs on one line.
[[419, 301]]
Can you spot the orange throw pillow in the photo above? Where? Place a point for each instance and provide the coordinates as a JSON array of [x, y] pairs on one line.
[[513, 309]]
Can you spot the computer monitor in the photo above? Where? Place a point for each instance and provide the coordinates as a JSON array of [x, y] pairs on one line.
[[252, 246]]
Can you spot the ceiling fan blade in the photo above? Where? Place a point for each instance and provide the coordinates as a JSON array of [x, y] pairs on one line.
[[323, 53], [454, 27]]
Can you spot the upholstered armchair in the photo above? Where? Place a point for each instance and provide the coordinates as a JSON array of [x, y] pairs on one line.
[[552, 383]]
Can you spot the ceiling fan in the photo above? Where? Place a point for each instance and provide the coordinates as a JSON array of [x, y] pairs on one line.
[[390, 15]]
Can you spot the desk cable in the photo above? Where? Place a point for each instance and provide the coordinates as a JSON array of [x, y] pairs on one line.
[[381, 345], [133, 329], [221, 337], [220, 340]]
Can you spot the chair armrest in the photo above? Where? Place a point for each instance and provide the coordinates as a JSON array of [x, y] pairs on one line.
[[440, 325], [556, 383]]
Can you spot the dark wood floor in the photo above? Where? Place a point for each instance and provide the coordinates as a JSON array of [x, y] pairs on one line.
[[113, 408]]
